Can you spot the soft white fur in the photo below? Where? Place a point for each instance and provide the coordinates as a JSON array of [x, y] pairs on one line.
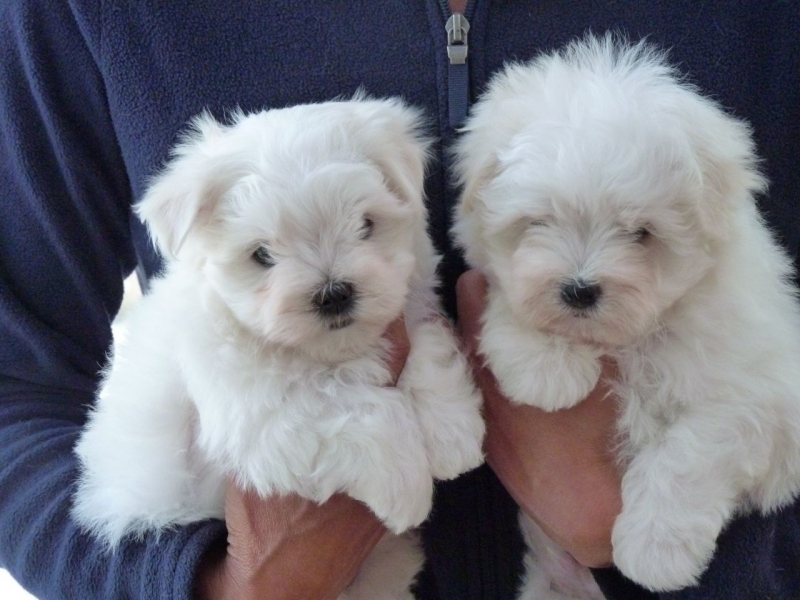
[[229, 371], [562, 162], [551, 573]]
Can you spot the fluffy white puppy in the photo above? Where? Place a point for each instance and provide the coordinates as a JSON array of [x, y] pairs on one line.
[[612, 209], [293, 238]]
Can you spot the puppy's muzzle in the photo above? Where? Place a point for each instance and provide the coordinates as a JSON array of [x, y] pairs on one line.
[[335, 302], [581, 294]]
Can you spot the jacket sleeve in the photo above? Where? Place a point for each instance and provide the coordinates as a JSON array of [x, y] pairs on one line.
[[64, 250]]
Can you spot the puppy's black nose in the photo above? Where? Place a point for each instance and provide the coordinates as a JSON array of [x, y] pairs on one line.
[[581, 294], [334, 298]]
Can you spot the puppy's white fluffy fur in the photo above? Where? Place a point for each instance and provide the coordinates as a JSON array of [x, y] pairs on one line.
[[598, 164], [231, 370]]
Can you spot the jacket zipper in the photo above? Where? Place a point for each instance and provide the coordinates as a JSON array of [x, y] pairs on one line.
[[457, 30]]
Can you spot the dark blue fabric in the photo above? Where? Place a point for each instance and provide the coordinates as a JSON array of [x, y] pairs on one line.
[[458, 93], [92, 95]]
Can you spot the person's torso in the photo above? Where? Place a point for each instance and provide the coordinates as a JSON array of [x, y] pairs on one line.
[[164, 62]]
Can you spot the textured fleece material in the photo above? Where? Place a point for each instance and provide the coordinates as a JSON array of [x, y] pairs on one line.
[[92, 95]]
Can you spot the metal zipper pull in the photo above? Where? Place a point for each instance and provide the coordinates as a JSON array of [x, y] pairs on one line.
[[457, 28]]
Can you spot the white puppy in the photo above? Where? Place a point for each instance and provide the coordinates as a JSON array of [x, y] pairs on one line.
[[612, 209], [294, 237]]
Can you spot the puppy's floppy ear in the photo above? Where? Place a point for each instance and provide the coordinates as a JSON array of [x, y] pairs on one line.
[[394, 141], [468, 222], [727, 162], [492, 123], [183, 195], [476, 164]]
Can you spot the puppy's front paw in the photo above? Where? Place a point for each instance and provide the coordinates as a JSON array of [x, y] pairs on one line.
[[438, 380], [454, 443], [533, 367], [659, 554], [406, 502], [551, 375], [457, 449]]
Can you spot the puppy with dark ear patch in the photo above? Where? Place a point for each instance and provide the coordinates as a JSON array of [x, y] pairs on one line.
[[612, 209], [293, 238]]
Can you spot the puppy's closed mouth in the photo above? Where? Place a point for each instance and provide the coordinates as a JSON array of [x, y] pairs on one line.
[[582, 314], [336, 324]]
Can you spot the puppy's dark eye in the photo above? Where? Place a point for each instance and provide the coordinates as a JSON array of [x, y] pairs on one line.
[[641, 235], [538, 223], [367, 228], [263, 257]]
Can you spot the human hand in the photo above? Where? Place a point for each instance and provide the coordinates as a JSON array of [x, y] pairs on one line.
[[291, 548], [558, 466]]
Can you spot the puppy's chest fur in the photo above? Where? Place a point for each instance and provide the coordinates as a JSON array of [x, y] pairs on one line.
[[247, 395], [653, 390], [276, 376], [271, 380]]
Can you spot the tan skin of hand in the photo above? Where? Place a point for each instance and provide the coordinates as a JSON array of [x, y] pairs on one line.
[[557, 465], [290, 548]]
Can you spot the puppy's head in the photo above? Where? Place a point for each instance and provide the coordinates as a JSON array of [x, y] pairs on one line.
[[301, 220], [599, 189]]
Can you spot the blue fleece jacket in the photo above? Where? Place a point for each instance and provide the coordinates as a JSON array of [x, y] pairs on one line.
[[92, 95]]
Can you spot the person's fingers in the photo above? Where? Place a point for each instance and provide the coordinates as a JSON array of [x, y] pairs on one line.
[[609, 370], [267, 537], [265, 519], [396, 333], [260, 517], [471, 290], [471, 302]]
